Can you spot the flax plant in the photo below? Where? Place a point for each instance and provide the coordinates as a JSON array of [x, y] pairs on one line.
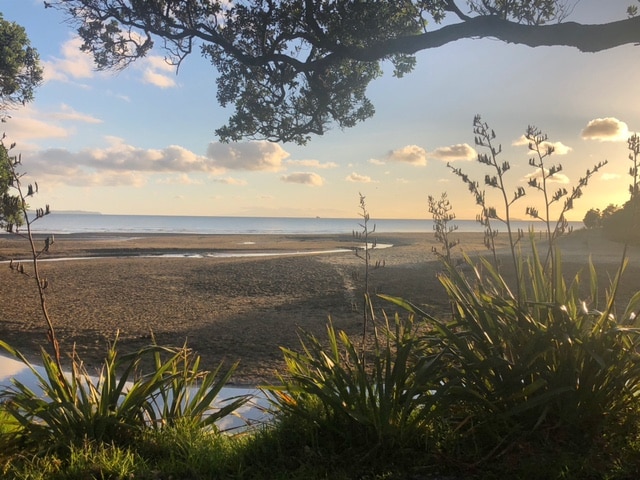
[[388, 403], [120, 402], [366, 235]]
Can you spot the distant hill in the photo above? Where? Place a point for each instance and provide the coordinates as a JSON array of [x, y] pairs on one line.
[[74, 212]]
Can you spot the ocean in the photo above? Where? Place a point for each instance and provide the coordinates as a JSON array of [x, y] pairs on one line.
[[67, 223]]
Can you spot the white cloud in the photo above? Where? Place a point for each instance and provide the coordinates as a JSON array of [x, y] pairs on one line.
[[74, 64], [231, 181], [312, 163], [556, 178], [253, 156], [559, 148], [375, 161], [80, 178], [610, 176], [460, 151], [180, 179], [119, 164], [68, 113], [29, 123], [412, 154], [357, 178], [158, 72], [304, 178], [608, 129], [22, 129], [158, 80]]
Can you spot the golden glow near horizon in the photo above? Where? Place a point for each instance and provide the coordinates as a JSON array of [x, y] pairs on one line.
[[141, 141]]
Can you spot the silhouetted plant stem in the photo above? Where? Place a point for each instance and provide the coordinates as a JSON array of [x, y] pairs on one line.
[[542, 148], [41, 282], [364, 235]]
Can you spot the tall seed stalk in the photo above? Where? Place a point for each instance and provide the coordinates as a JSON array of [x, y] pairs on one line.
[[13, 163], [363, 251]]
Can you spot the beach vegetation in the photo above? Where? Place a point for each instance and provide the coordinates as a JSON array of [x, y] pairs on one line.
[[365, 236], [443, 218], [534, 373], [296, 69], [115, 407]]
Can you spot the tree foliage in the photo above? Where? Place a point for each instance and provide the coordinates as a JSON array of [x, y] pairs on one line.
[[20, 70], [10, 204], [293, 68]]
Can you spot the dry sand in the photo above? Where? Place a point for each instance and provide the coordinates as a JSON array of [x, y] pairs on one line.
[[232, 308]]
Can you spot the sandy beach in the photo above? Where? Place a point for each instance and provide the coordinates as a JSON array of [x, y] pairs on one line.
[[233, 297]]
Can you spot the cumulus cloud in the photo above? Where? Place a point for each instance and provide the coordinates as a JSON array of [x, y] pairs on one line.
[[357, 178], [29, 123], [460, 151], [312, 164], [253, 156], [119, 164], [412, 154], [180, 179], [158, 72], [304, 178], [556, 178], [72, 65], [559, 148], [230, 181], [610, 176], [22, 129], [608, 129], [68, 113]]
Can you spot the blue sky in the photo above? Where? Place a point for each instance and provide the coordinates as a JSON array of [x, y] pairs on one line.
[[141, 141]]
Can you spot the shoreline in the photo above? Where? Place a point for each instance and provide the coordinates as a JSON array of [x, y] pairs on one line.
[[231, 309]]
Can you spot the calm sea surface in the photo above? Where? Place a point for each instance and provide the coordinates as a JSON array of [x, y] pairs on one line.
[[61, 223]]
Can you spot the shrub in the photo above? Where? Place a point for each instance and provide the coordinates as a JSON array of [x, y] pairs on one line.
[[117, 405]]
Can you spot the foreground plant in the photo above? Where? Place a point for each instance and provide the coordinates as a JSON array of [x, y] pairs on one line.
[[118, 404], [115, 406], [386, 403]]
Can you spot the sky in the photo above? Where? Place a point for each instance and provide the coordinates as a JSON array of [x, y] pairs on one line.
[[141, 140]]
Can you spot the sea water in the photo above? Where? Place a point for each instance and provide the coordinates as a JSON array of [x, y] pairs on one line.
[[67, 223]]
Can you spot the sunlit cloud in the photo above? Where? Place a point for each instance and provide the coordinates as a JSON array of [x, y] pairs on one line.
[[252, 156], [375, 161], [80, 178], [119, 164], [610, 176], [556, 178], [357, 178], [312, 164], [304, 178], [559, 148], [28, 123], [231, 181], [72, 65], [180, 179], [460, 151], [22, 129], [158, 72], [402, 180], [608, 129], [68, 113], [412, 154]]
